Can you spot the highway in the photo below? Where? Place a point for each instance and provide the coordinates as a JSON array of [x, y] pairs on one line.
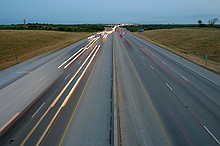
[[164, 99], [67, 97]]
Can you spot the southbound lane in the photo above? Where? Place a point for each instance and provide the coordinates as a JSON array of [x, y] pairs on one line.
[[89, 123]]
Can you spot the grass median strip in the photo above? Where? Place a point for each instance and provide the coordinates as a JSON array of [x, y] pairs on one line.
[[19, 45]]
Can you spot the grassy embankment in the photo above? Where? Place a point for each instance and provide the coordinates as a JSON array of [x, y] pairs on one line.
[[20, 45], [190, 43]]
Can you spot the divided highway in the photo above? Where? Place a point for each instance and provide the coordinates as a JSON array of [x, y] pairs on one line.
[[67, 97]]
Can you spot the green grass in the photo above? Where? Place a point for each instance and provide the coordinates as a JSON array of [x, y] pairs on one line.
[[20, 45]]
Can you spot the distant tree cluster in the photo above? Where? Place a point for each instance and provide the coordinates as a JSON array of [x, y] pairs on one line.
[[211, 22], [156, 26], [55, 27]]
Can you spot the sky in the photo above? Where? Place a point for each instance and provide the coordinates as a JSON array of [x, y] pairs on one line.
[[108, 11]]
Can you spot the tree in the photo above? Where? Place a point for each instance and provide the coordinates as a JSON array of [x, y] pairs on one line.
[[213, 21], [200, 22]]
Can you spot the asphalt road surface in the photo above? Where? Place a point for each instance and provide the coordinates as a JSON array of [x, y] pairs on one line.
[[65, 97], [164, 99]]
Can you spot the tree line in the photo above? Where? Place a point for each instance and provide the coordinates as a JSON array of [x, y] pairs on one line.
[[55, 27]]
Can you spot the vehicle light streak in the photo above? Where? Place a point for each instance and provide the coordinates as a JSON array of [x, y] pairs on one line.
[[70, 58], [57, 98], [68, 96], [93, 41], [74, 58]]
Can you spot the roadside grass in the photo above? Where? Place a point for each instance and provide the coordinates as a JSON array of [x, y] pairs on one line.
[[19, 45], [190, 43]]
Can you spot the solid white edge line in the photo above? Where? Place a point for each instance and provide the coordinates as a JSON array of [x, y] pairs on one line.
[[211, 134], [169, 86], [38, 110]]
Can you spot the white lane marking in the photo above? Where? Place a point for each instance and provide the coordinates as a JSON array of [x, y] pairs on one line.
[[79, 62], [67, 76], [43, 78], [70, 58], [151, 67], [142, 57], [5, 107], [211, 134], [136, 51], [169, 87], [38, 110], [164, 63], [184, 78], [153, 54]]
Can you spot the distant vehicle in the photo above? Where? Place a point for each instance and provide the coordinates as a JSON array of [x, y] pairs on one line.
[[141, 30]]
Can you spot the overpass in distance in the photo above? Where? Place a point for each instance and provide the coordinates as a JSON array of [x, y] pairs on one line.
[[112, 88]]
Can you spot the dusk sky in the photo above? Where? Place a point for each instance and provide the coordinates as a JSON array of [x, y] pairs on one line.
[[108, 11]]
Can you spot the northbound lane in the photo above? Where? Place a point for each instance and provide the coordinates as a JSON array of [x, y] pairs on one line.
[[162, 97]]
